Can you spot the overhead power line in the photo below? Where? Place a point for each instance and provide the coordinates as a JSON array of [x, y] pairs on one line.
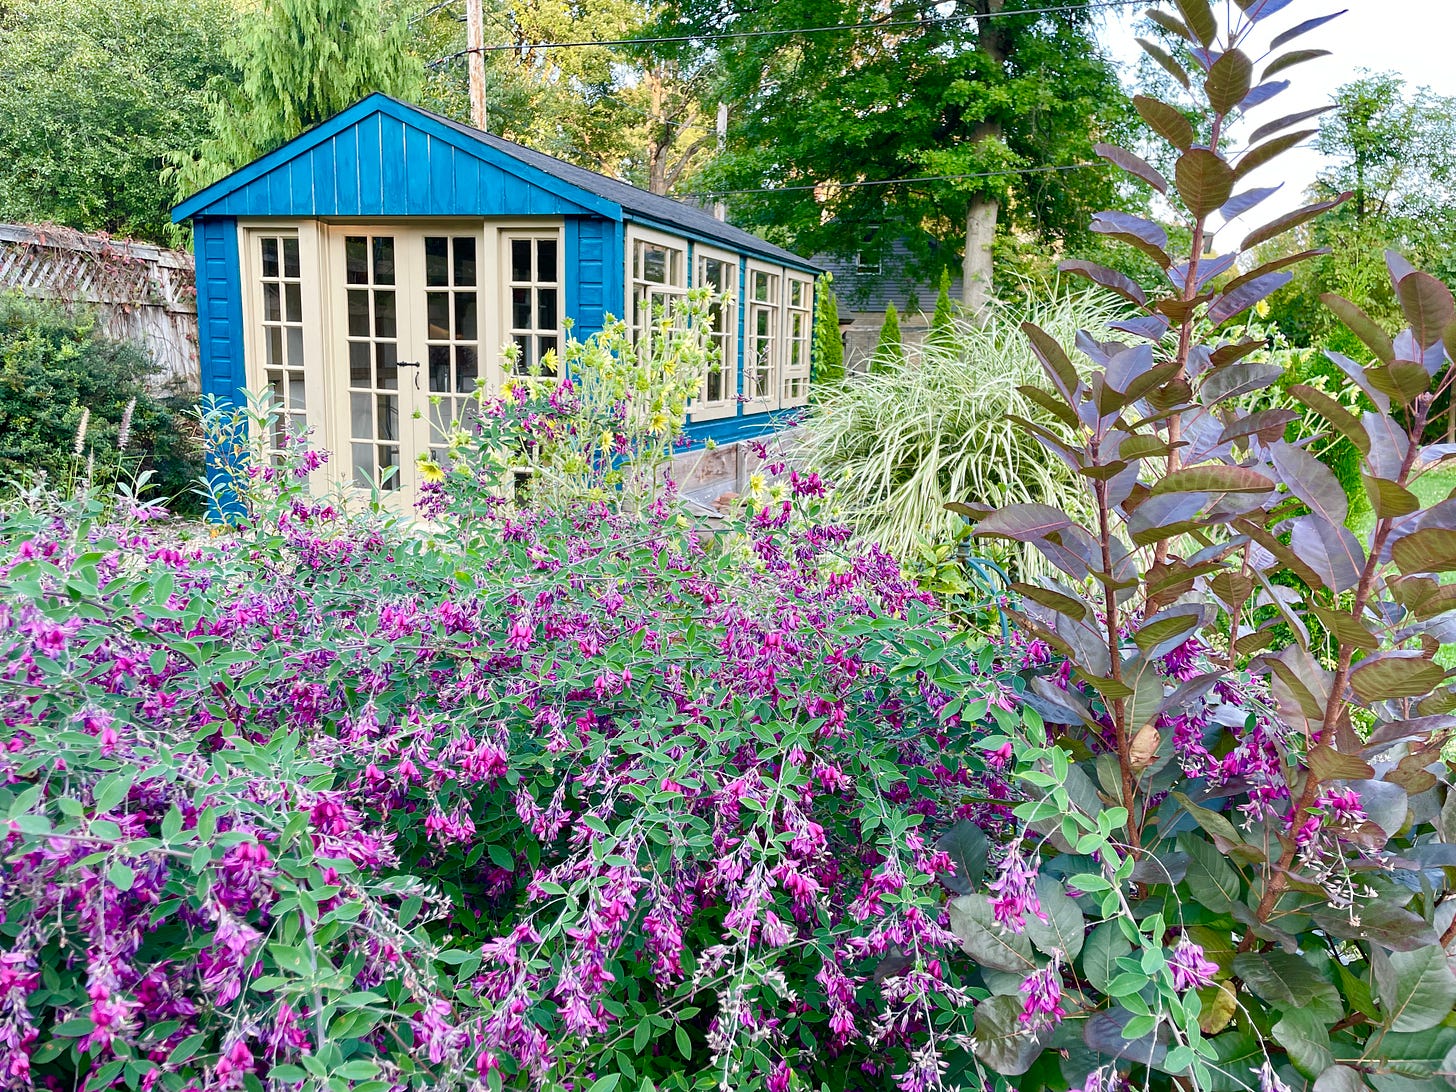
[[773, 33], [1009, 172]]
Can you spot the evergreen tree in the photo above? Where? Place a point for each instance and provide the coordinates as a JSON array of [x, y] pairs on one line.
[[302, 61], [890, 352], [828, 348], [942, 323]]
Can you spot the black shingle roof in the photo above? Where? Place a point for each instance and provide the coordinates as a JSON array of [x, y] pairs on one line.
[[638, 202]]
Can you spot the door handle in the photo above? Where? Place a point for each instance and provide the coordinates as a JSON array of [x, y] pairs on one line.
[[415, 364]]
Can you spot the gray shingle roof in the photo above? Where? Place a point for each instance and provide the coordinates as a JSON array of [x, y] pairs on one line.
[[634, 201]]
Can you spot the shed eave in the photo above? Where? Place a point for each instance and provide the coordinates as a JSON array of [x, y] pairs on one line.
[[764, 251]]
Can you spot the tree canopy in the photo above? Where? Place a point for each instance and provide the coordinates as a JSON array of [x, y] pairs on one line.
[[95, 97], [822, 126]]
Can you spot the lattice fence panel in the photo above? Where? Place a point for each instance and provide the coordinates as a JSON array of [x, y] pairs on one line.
[[143, 294]]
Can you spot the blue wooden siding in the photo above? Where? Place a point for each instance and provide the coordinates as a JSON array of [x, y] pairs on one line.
[[593, 273], [219, 307]]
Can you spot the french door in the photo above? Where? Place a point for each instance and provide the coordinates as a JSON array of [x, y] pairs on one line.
[[408, 337]]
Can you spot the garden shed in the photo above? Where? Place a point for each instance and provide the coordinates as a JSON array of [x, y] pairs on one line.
[[370, 271]]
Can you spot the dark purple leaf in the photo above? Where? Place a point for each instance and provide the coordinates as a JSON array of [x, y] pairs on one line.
[[1289, 60], [1152, 327], [1260, 154], [1262, 94], [1390, 675], [1111, 279], [1165, 61], [1303, 28], [1311, 481], [1241, 203], [1165, 120], [1330, 550], [1171, 23], [1398, 266], [1213, 478], [1358, 377], [1271, 421], [1204, 180], [1388, 444], [1024, 522], [1245, 296], [1147, 236], [1205, 58], [1233, 380], [1159, 517], [1269, 128], [1262, 9], [1273, 264], [1388, 499], [1387, 924], [1362, 325], [1208, 269], [1290, 220], [1432, 358], [1336, 414], [1132, 164], [1198, 17], [1126, 366], [1427, 550], [1053, 358], [1103, 1034], [1229, 80], [1427, 306]]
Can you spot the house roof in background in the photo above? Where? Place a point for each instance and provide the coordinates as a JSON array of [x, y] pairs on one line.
[[630, 202]]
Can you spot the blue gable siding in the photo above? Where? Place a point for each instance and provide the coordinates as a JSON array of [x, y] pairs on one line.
[[383, 167]]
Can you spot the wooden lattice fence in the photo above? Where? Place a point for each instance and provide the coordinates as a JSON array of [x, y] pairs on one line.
[[143, 294]]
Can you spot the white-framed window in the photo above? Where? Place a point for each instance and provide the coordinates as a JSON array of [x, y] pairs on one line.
[[372, 335], [453, 323], [868, 264], [657, 268], [533, 304], [279, 328], [798, 333], [718, 390], [763, 356]]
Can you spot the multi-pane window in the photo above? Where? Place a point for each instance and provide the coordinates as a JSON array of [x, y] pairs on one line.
[[718, 388], [281, 320], [373, 340], [659, 276], [799, 323], [452, 332], [533, 298], [765, 311]]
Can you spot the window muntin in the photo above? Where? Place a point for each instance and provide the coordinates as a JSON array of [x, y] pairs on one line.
[[798, 331], [533, 300], [659, 276], [280, 324], [372, 336], [452, 332], [717, 390]]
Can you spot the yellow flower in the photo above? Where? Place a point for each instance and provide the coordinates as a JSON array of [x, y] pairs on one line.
[[755, 483], [508, 388], [430, 470], [1262, 308], [607, 439]]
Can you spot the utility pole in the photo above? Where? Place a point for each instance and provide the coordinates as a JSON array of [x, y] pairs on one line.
[[475, 42], [720, 210]]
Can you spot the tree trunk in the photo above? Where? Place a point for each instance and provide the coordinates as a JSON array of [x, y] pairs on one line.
[[976, 269]]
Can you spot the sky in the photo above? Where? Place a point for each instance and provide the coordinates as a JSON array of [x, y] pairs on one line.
[[1409, 37]]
